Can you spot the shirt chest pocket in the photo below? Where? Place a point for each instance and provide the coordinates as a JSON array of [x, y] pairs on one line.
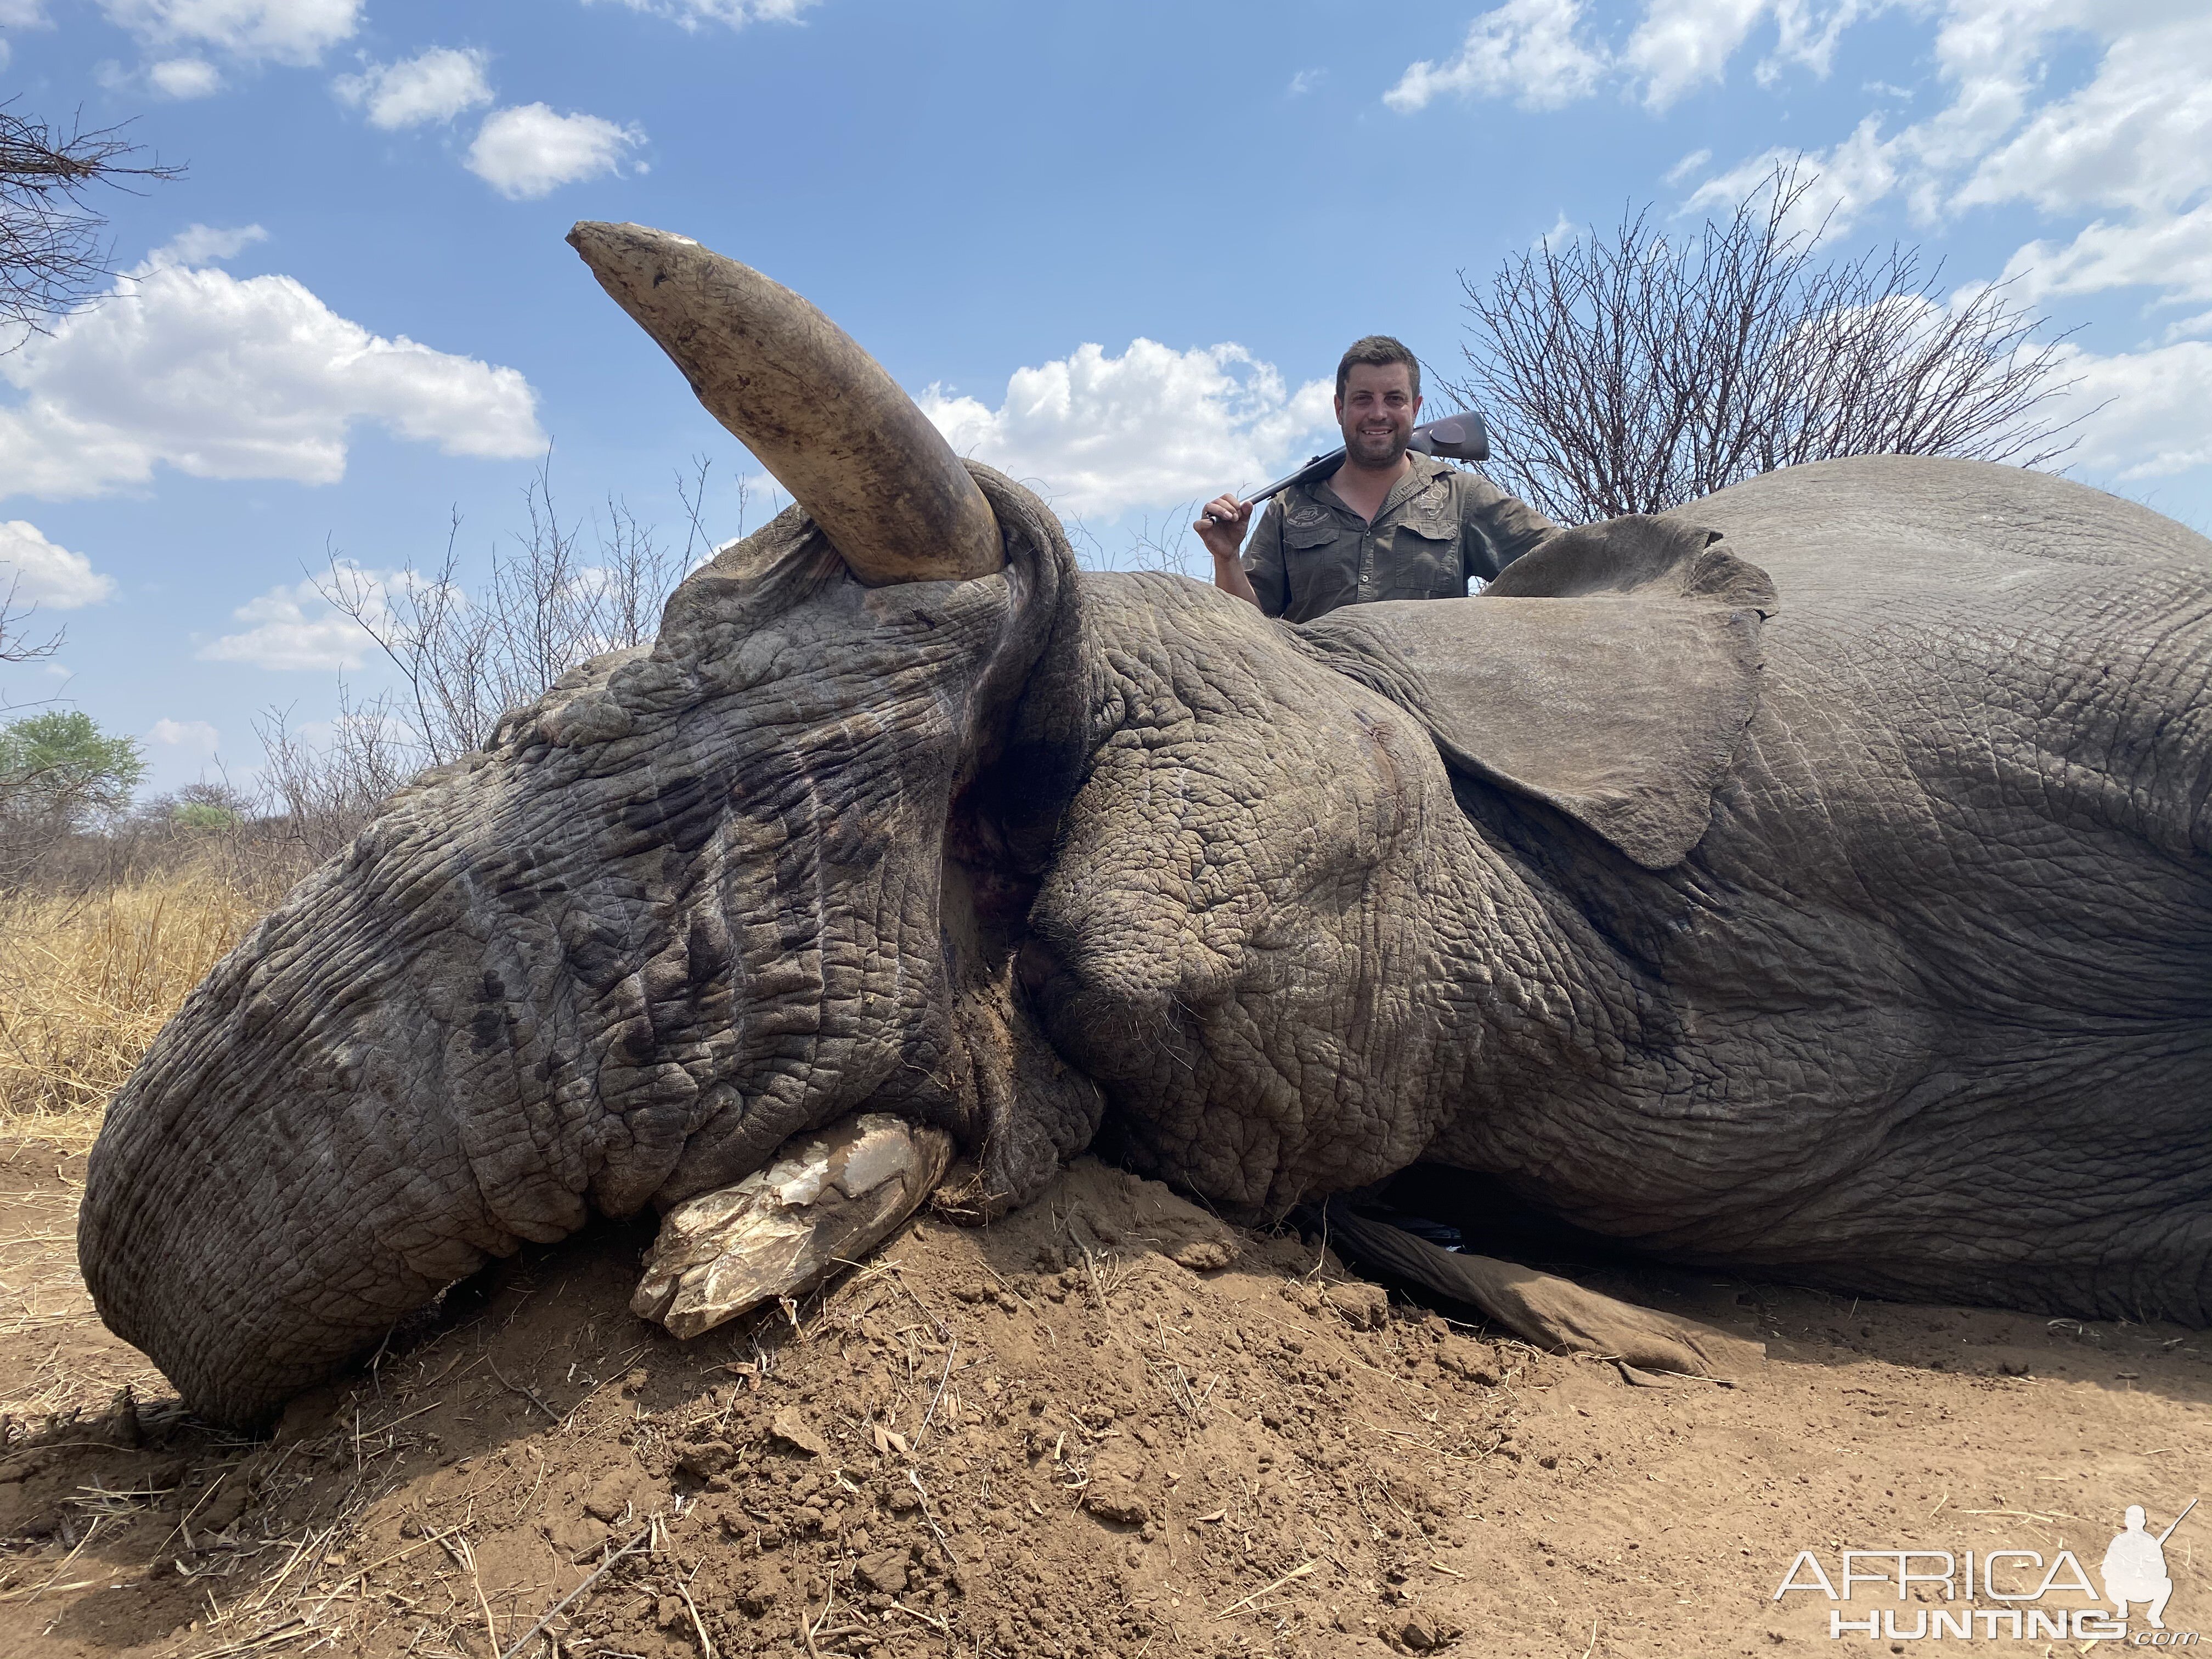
[[1423, 560], [1320, 565]]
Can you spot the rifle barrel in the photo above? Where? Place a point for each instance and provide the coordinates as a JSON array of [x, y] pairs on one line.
[[2177, 1520], [1310, 470]]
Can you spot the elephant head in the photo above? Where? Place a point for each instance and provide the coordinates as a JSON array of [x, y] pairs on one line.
[[695, 900], [896, 818]]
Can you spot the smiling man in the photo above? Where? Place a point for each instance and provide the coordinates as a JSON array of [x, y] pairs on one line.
[[1387, 524]]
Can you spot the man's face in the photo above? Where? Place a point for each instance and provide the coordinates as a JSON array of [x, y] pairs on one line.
[[1377, 411]]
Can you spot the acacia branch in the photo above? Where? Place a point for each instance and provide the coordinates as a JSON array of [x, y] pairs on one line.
[[1631, 372], [53, 257]]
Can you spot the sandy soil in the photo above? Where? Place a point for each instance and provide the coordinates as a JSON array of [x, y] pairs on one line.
[[1106, 1427]]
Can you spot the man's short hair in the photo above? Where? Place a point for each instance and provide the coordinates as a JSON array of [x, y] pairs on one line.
[[1379, 350]]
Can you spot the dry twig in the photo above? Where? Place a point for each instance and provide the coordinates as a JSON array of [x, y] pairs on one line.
[[554, 1611]]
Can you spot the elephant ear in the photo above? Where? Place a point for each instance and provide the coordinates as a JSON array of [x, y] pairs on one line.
[[1609, 674]]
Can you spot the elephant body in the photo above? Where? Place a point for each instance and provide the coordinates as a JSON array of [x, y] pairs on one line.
[[1955, 909], [1814, 881], [1925, 1010]]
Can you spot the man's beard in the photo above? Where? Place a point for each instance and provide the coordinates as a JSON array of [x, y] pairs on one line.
[[1359, 447]]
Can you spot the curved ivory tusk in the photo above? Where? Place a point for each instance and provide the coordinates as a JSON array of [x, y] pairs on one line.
[[829, 1197], [821, 414]]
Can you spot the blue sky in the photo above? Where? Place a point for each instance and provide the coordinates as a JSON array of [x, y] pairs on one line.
[[1114, 249]]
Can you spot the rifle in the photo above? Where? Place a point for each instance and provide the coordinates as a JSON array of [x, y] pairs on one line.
[[1461, 437], [2177, 1520]]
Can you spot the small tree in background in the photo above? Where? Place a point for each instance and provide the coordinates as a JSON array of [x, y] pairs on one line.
[[202, 808], [1633, 373], [58, 771]]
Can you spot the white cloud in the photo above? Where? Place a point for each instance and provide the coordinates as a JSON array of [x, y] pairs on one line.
[[1538, 54], [200, 244], [1151, 427], [282, 31], [43, 573], [21, 14], [529, 151], [2130, 143], [2171, 252], [2138, 136], [1841, 182], [295, 627], [194, 737], [1526, 49], [2149, 409], [692, 14], [185, 77], [1306, 80], [435, 85], [223, 378], [1681, 44], [1806, 35], [1562, 232], [2133, 144], [2190, 328]]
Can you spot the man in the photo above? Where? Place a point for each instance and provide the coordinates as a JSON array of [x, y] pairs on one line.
[[2135, 1569], [1388, 524]]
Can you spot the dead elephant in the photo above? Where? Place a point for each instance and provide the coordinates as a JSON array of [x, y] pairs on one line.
[[1813, 881]]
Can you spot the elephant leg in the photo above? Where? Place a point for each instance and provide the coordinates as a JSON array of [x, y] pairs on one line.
[[1553, 1313], [827, 1198]]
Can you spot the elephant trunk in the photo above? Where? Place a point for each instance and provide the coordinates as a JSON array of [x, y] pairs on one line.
[[250, 1251]]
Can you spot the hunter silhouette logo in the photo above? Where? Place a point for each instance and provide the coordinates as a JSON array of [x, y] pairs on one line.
[[2135, 1567], [2016, 1581]]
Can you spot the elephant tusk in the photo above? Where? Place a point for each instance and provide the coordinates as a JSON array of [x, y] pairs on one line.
[[829, 1197], [1553, 1313], [821, 414]]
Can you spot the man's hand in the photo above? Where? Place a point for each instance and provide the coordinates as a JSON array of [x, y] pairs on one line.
[[1221, 527]]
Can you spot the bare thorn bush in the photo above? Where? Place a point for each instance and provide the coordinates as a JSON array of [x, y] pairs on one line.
[[1633, 372], [465, 656], [52, 260], [319, 795], [1161, 544], [17, 646]]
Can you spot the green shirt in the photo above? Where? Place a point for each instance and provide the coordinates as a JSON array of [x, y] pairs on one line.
[[1438, 527]]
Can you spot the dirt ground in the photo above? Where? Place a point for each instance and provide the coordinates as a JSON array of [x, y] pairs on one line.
[[1108, 1426]]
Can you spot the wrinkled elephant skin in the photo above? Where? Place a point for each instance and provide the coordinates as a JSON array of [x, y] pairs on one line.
[[1816, 881]]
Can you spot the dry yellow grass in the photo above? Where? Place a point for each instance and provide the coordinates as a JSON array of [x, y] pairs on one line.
[[87, 980]]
